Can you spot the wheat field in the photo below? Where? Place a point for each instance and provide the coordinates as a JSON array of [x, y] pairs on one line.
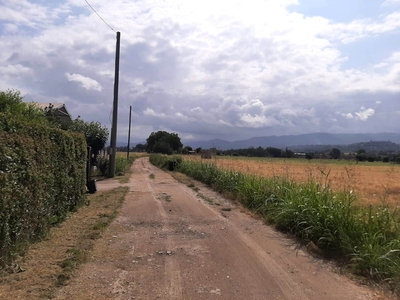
[[373, 183]]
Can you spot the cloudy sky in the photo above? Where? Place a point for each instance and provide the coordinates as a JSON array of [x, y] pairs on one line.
[[211, 68]]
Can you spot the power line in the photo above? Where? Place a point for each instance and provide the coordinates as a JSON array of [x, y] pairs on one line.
[[99, 16]]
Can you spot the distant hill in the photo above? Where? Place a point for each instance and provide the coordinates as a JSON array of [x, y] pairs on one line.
[[296, 140]]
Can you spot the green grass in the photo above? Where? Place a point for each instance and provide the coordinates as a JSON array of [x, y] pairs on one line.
[[122, 167], [367, 239], [165, 197]]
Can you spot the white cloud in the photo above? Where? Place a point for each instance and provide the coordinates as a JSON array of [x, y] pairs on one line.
[[391, 2], [15, 70], [196, 110], [152, 113], [86, 82], [380, 65], [204, 64], [359, 28], [188, 137], [395, 57], [348, 116], [257, 121], [364, 114]]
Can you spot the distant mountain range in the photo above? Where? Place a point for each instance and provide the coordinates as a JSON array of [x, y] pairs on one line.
[[293, 141]]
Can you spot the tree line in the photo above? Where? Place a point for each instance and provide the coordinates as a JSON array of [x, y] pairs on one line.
[[170, 143]]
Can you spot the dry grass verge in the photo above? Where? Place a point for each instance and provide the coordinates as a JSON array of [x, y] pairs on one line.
[[50, 263]]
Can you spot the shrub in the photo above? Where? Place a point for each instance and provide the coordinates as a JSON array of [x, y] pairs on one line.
[[166, 162], [309, 155], [361, 157], [121, 163], [371, 158], [42, 178], [385, 159], [103, 165]]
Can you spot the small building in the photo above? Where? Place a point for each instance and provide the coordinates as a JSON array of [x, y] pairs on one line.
[[206, 154], [58, 111]]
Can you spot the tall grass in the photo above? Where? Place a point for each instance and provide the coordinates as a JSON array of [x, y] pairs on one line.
[[121, 165], [367, 238]]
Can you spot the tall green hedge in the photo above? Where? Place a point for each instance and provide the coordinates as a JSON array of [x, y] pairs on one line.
[[42, 177]]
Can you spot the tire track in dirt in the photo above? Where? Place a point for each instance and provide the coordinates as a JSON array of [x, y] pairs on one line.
[[288, 286], [172, 271]]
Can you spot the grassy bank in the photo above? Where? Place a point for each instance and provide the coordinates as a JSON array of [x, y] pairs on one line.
[[366, 238], [52, 263], [372, 182]]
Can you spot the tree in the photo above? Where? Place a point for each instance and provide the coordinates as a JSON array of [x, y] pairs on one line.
[[274, 152], [289, 153], [361, 156], [171, 139], [11, 104], [96, 135], [335, 153], [140, 147], [186, 150], [162, 147], [309, 155]]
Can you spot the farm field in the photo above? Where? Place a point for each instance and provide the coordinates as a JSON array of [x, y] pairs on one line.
[[372, 182]]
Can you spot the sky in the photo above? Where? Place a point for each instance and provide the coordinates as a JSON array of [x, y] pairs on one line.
[[210, 69]]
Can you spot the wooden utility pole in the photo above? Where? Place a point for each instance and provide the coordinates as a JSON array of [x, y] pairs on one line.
[[129, 131], [113, 142]]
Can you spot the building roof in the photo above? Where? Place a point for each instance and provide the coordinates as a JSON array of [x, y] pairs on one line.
[[59, 108]]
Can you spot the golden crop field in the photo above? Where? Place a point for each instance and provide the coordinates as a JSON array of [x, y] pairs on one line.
[[372, 182]]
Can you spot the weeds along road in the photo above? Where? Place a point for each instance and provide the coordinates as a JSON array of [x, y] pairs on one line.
[[180, 240]]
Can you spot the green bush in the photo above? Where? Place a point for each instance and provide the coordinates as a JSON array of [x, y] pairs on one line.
[[103, 165], [42, 178], [121, 165], [361, 157], [166, 162]]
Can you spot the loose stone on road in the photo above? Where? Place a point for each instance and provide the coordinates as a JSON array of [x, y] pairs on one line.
[[171, 241]]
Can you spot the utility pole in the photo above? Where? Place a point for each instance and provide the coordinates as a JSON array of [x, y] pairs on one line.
[[129, 132], [113, 142]]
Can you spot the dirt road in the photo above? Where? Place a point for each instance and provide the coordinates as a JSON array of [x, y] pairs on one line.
[[183, 241]]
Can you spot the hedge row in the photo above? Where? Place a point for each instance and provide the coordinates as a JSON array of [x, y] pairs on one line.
[[42, 178]]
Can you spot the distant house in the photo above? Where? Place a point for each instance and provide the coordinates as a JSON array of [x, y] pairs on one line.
[[58, 111]]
